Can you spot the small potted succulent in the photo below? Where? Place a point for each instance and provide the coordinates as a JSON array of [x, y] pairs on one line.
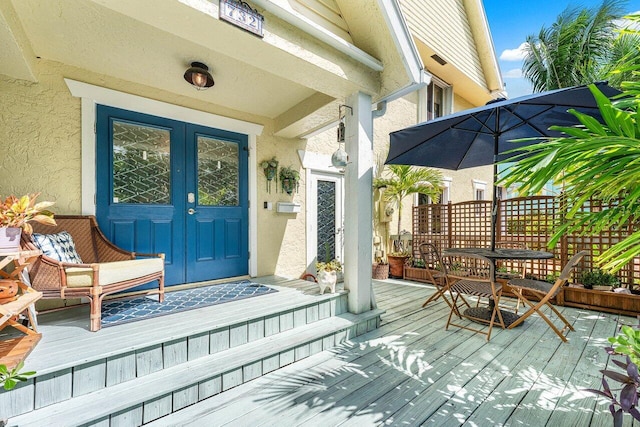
[[328, 274], [15, 215]]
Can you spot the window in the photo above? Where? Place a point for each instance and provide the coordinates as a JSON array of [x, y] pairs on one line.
[[479, 189], [435, 101], [423, 199]]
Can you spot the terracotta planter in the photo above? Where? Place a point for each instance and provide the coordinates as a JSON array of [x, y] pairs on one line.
[[8, 290], [10, 239], [396, 266]]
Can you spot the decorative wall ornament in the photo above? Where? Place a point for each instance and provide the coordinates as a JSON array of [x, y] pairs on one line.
[[270, 169]]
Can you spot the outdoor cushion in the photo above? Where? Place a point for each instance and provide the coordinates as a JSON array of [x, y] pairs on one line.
[[58, 246], [113, 272]]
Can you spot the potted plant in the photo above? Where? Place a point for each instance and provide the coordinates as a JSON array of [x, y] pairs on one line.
[[380, 269], [15, 215], [328, 274], [599, 280], [289, 179], [403, 181], [416, 269]]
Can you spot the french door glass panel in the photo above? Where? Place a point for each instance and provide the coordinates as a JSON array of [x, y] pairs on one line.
[[141, 164], [218, 172]]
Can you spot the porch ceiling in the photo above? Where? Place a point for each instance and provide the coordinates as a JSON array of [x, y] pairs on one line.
[[287, 76]]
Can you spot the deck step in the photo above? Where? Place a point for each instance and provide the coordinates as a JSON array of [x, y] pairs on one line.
[[144, 399], [71, 362]]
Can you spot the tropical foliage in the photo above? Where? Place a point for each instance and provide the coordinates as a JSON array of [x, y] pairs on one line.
[[18, 211], [582, 46], [594, 161], [627, 343], [9, 378], [598, 277], [406, 180]]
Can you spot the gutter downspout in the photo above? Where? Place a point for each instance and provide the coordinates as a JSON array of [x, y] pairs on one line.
[[418, 76]]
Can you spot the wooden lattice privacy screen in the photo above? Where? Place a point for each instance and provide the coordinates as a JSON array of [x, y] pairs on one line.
[[528, 220]]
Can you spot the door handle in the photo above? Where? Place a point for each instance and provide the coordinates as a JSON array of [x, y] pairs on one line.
[[191, 211]]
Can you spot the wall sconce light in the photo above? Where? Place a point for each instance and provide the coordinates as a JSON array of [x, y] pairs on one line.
[[340, 158], [198, 75]]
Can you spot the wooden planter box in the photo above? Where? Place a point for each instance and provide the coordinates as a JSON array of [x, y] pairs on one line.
[[417, 274], [607, 301]]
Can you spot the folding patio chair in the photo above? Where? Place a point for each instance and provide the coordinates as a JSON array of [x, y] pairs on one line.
[[545, 291], [435, 274], [474, 275]]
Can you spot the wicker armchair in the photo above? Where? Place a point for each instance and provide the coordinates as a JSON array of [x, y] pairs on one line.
[[106, 269]]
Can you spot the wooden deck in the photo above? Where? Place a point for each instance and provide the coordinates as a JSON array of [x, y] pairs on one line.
[[412, 372]]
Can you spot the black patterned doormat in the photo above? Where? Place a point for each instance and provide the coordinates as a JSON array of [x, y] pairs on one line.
[[117, 312]]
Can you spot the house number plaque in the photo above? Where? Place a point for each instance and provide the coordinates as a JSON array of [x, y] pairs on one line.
[[241, 15]]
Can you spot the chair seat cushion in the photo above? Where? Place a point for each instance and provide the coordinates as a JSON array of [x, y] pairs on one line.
[[59, 246], [113, 272], [534, 285]]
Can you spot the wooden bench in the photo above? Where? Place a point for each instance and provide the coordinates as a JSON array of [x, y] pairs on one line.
[[105, 268]]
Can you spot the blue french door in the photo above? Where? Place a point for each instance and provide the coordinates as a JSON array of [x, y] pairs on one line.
[[174, 187]]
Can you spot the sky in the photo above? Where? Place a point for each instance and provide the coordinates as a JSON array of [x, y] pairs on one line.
[[512, 21]]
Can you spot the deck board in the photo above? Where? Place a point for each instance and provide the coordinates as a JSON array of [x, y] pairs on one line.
[[411, 371]]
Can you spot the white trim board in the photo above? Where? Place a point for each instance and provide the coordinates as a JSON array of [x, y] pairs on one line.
[[127, 101]]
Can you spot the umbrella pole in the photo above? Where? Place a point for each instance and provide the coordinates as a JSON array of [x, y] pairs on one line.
[[494, 206], [494, 202]]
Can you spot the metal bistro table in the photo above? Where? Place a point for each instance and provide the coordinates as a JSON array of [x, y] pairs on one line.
[[493, 255]]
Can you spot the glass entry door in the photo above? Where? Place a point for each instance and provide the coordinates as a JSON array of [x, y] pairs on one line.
[[325, 219], [173, 187]]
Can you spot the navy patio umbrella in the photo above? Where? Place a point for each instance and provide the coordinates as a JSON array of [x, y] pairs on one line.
[[482, 136]]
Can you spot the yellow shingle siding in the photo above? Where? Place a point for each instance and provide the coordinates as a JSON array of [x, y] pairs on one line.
[[443, 26]]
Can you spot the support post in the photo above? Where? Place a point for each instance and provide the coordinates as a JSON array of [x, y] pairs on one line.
[[358, 246]]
